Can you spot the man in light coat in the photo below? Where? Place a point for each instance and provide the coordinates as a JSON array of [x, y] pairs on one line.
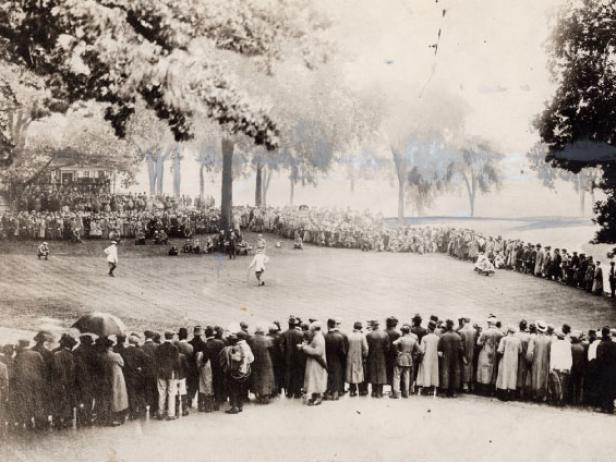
[[112, 257], [356, 357]]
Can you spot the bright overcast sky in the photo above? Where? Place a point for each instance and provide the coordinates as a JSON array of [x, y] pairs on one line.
[[491, 53]]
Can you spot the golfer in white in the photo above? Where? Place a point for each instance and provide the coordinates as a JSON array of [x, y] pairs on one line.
[[112, 257], [258, 263]]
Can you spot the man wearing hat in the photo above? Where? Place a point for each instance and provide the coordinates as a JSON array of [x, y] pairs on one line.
[[187, 370], [167, 358], [428, 373], [213, 346], [63, 391], [112, 257], [198, 345], [294, 359], [486, 362], [43, 339], [149, 370], [469, 340], [376, 364], [406, 349], [135, 364], [335, 354], [391, 324], [560, 368], [606, 365], [43, 251], [30, 379], [539, 355], [357, 353]]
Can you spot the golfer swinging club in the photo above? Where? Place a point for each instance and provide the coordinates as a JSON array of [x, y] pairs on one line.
[[112, 257], [258, 263]]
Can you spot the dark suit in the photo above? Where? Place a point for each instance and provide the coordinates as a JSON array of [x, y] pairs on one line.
[[149, 373], [135, 364], [335, 352], [85, 380], [392, 354], [606, 364], [294, 362], [63, 385], [376, 363], [214, 346], [30, 381]]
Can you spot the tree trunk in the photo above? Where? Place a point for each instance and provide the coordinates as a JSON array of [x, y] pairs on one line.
[[151, 163], [177, 172], [401, 174], [202, 181], [582, 195], [160, 171], [266, 183], [226, 199], [292, 194], [259, 186]]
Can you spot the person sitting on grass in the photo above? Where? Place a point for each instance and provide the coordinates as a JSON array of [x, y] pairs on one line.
[[140, 237], [299, 243], [173, 251], [160, 237], [187, 247], [43, 251], [196, 247]]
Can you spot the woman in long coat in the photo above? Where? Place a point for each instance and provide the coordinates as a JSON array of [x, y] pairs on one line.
[[263, 381], [523, 383], [115, 384], [486, 362], [358, 351], [538, 354], [315, 376], [510, 348], [469, 340], [427, 376]]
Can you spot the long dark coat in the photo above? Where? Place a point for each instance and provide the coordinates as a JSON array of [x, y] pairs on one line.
[[135, 363], [335, 353], [30, 380], [84, 357], [392, 353], [63, 383], [214, 346], [294, 360], [262, 378], [277, 360], [47, 390], [606, 366], [376, 366], [450, 346]]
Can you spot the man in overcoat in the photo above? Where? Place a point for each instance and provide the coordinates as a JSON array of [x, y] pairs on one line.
[[335, 353], [376, 364], [294, 359]]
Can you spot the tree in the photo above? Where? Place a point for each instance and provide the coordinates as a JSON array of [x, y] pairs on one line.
[[153, 143], [476, 165], [577, 124], [584, 182], [112, 51]]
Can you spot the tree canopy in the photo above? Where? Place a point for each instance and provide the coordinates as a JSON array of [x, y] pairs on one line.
[[117, 51]]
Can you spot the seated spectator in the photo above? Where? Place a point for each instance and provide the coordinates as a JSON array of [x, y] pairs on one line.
[[173, 251], [43, 251], [187, 247], [140, 237]]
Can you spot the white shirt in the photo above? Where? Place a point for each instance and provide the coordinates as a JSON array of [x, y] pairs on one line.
[[112, 254], [259, 261]]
